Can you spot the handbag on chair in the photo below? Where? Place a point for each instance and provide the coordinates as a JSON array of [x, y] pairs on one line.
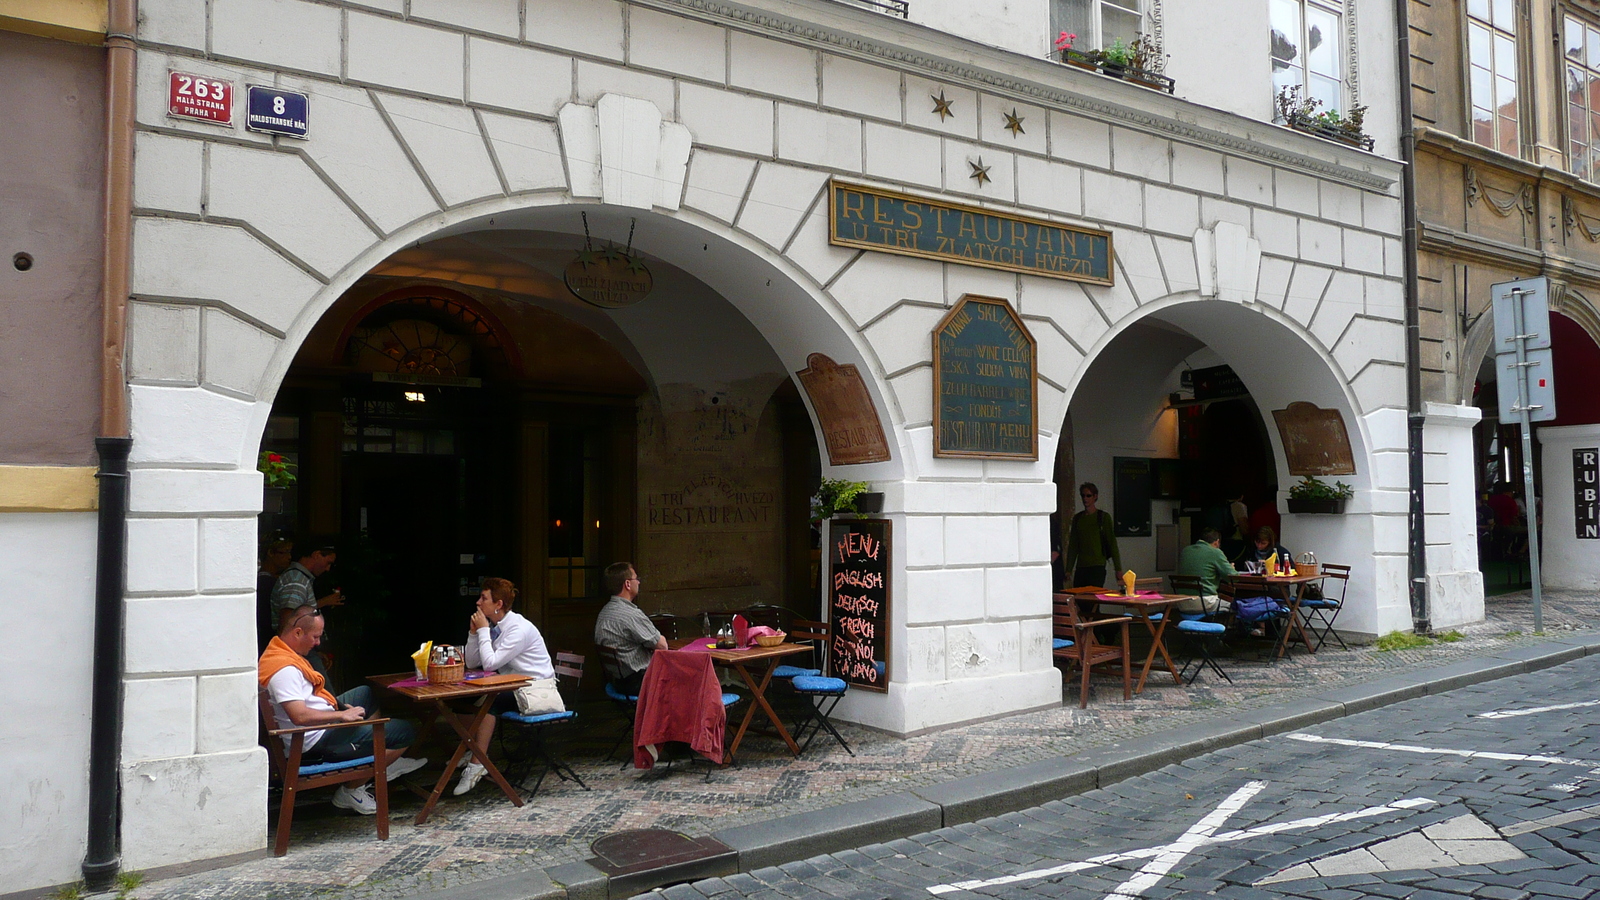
[[539, 698]]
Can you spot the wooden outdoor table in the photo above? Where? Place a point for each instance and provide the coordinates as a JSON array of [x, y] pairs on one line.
[[1143, 608], [742, 661], [434, 702], [1291, 589]]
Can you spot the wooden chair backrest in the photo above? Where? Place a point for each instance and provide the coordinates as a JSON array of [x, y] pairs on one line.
[[1147, 584], [1187, 585], [1334, 570], [277, 753], [609, 662], [569, 665], [1064, 624], [778, 617], [816, 633], [666, 623]]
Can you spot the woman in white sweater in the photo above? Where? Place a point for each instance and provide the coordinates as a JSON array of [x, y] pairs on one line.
[[501, 641]]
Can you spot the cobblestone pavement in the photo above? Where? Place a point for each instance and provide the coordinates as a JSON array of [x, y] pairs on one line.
[[483, 836], [1425, 799]]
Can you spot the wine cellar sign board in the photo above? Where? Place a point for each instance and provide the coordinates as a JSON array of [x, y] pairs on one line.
[[890, 222], [986, 383], [858, 602], [1315, 441], [850, 425]]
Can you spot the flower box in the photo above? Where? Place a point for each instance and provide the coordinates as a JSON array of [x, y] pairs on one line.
[[1301, 506], [1094, 62], [1313, 125]]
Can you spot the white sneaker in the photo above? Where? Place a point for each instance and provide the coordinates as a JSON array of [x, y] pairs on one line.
[[357, 799], [471, 773], [405, 765]]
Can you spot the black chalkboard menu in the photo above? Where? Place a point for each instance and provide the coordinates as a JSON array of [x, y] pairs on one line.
[[858, 602], [1130, 483]]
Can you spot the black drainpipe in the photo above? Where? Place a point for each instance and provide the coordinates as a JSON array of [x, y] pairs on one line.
[[103, 859], [1417, 547]]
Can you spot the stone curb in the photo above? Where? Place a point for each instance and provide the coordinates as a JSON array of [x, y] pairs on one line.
[[923, 809]]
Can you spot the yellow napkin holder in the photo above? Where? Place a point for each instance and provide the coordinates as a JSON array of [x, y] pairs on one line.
[[420, 659]]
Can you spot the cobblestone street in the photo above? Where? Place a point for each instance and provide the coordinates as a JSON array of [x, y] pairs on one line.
[[484, 837], [1488, 791]]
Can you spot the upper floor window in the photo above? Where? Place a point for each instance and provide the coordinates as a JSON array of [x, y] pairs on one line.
[[1098, 23], [1306, 39], [1582, 48], [1492, 58]]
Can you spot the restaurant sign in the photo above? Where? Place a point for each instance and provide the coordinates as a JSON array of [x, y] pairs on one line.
[[858, 602], [1586, 492], [891, 222], [986, 383]]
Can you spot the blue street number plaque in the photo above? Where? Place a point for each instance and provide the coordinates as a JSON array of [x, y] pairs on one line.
[[273, 111]]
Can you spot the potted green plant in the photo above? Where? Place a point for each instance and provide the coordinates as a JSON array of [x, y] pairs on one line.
[[1139, 62], [1306, 114], [835, 497], [1313, 495], [276, 475]]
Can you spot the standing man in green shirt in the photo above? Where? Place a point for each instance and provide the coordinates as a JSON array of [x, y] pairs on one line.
[[1205, 560], [1091, 540]]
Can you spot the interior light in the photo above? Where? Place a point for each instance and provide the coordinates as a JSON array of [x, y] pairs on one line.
[[597, 523], [558, 523], [416, 396]]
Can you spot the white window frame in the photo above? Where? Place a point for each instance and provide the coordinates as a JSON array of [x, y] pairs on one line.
[[1588, 168], [1346, 67], [1149, 22], [1499, 34]]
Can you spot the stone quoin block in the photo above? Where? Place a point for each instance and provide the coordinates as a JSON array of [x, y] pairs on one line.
[[717, 183], [975, 540], [172, 811], [164, 343], [288, 34], [227, 554], [158, 718], [1197, 169], [1140, 155], [418, 58], [779, 196], [590, 27], [192, 260], [212, 633], [518, 78], [228, 719], [168, 172], [319, 228], [162, 555], [1017, 591], [861, 88], [923, 540], [943, 595], [657, 40], [447, 143], [1079, 140], [528, 152], [494, 16], [1296, 193], [187, 425], [772, 67], [922, 656], [978, 650], [726, 120], [359, 152], [898, 155], [194, 491], [818, 138], [1033, 536]]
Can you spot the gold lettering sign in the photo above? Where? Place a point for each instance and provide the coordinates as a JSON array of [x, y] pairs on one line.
[[986, 383], [890, 222], [609, 279]]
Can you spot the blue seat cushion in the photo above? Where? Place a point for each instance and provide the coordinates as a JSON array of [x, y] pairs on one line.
[[1060, 644], [324, 768], [1320, 604], [542, 719], [1154, 617], [730, 699], [1195, 626], [817, 684], [792, 671], [613, 693]]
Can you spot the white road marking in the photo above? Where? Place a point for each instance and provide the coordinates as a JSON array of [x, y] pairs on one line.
[[1111, 859], [1444, 751], [1514, 713], [1187, 843]]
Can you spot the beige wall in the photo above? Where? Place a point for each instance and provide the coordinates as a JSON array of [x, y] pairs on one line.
[[51, 100]]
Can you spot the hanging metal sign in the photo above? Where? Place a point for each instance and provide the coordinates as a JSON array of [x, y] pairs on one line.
[[609, 278], [201, 98], [1586, 492], [271, 111]]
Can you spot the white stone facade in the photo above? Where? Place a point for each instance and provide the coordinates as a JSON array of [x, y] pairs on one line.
[[718, 126]]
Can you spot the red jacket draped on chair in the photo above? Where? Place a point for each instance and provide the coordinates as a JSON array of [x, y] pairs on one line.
[[681, 700]]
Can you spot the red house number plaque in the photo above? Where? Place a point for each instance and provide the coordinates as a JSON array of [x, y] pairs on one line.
[[198, 97]]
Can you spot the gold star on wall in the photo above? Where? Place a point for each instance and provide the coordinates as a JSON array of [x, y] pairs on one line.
[[1014, 122], [980, 171], [941, 105]]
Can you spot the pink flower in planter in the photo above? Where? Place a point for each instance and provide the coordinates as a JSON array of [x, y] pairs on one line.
[[1064, 42]]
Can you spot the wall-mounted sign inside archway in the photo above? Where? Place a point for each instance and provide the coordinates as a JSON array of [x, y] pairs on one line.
[[1315, 441], [890, 222], [986, 383], [850, 425], [609, 279]]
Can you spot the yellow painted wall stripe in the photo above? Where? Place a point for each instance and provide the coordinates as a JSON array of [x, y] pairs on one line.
[[79, 21], [48, 489]]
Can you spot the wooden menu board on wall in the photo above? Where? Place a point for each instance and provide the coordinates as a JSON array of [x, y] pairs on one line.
[[858, 602], [1315, 441]]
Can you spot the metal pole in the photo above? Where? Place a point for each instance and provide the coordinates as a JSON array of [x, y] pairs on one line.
[[1523, 411], [102, 860], [1416, 513]]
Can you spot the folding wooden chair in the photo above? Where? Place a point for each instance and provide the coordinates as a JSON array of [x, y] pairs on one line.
[[819, 693], [628, 703], [1202, 633], [295, 777], [524, 739], [1085, 650], [1319, 612]]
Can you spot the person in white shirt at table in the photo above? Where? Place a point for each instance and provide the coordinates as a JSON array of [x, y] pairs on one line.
[[501, 641]]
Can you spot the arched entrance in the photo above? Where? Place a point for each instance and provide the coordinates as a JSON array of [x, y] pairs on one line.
[[1190, 387]]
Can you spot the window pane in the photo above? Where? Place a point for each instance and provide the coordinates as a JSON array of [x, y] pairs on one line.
[[1478, 44], [1482, 126], [1285, 34], [1328, 91], [1504, 15], [1073, 17], [1287, 77], [1118, 24], [1322, 42], [1126, 4], [1573, 46], [1505, 96], [1508, 136], [1478, 9], [1594, 48], [1482, 88]]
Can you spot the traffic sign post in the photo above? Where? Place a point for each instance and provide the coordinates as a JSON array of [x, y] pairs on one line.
[[1522, 348]]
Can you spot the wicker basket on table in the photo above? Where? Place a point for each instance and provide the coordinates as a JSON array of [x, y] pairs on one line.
[[770, 640], [451, 673]]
